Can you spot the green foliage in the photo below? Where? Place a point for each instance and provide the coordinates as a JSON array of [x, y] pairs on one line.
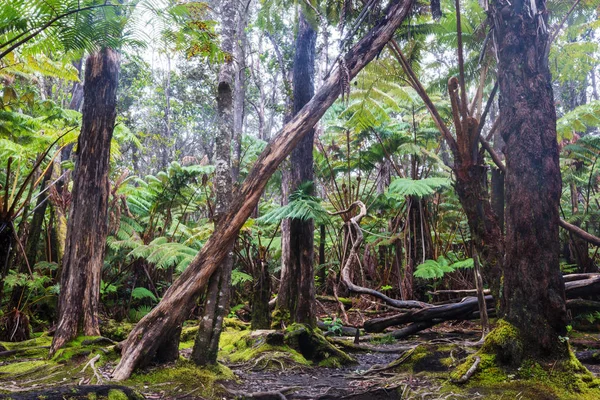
[[580, 119], [302, 205], [239, 277], [140, 293], [435, 269], [401, 187]]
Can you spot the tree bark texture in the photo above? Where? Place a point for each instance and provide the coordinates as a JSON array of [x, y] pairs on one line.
[[533, 297], [88, 226], [296, 296], [216, 302], [239, 93], [145, 338]]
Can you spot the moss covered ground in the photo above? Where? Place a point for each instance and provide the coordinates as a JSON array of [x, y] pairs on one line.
[[298, 348]]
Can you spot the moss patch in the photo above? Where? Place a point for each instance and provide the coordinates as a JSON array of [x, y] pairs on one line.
[[80, 348], [115, 394], [182, 376], [21, 367], [315, 347], [116, 331], [504, 372], [248, 346], [429, 358]]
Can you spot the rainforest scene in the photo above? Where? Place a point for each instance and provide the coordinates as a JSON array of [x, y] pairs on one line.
[[300, 199]]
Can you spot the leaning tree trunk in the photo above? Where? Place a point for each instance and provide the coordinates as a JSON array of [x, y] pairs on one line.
[[296, 297], [533, 292], [87, 226], [216, 303], [148, 334]]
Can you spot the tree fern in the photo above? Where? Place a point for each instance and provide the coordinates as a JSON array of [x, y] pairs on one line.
[[580, 119], [401, 187], [301, 206], [435, 269]]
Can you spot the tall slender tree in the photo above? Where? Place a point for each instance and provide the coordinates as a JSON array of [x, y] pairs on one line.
[[216, 302], [87, 225], [296, 297]]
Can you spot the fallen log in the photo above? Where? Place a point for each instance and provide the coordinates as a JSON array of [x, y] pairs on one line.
[[585, 287], [588, 357], [582, 305], [579, 277], [443, 313], [458, 292]]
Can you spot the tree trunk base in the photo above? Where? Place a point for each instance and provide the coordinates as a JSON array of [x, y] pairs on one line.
[[508, 363]]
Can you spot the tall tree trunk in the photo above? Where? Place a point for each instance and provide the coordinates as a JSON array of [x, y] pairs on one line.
[[239, 92], [148, 334], [216, 303], [87, 226], [296, 297], [533, 291]]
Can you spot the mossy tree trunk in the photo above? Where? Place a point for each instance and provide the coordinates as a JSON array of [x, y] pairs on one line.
[[87, 226], [533, 291], [296, 296], [144, 340], [216, 304]]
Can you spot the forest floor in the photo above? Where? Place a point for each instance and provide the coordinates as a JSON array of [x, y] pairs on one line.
[[416, 368]]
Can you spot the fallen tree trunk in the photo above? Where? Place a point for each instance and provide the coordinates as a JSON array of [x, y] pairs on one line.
[[581, 305], [579, 277], [585, 287], [468, 306], [148, 335], [440, 313], [589, 356]]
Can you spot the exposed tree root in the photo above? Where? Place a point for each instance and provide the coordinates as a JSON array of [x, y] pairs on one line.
[[469, 373]]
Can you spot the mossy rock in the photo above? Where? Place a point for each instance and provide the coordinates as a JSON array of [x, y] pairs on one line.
[[315, 347], [182, 376], [429, 358], [504, 371], [117, 331], [263, 348]]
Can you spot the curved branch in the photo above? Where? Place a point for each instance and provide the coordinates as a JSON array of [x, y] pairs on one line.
[[353, 259]]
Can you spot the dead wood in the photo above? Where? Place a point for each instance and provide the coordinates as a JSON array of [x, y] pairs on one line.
[[584, 287], [579, 277], [583, 305], [442, 313], [469, 373], [589, 356], [353, 260]]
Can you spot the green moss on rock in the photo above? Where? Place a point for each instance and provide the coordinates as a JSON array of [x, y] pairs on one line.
[[183, 375], [505, 372], [116, 394]]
